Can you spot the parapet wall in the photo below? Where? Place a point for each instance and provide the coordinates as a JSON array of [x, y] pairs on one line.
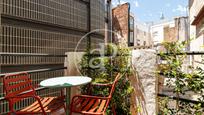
[[144, 81]]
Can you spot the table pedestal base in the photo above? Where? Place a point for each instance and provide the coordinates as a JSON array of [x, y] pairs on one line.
[[68, 93]]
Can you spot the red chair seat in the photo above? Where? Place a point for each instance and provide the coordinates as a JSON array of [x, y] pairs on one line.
[[89, 105], [50, 104]]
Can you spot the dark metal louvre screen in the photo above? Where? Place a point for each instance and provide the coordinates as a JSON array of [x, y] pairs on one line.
[[98, 15], [44, 27], [71, 13], [96, 42], [28, 40]]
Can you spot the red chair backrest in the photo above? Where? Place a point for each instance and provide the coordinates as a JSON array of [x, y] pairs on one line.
[[18, 85], [114, 84]]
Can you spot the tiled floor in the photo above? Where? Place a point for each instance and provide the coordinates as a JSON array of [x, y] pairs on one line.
[[62, 112], [59, 112]]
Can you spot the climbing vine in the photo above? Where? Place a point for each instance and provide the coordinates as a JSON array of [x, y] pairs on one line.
[[181, 81]]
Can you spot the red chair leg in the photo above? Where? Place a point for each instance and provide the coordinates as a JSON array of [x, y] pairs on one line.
[[113, 109]]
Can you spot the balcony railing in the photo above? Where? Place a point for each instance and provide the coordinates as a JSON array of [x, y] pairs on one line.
[[193, 59]]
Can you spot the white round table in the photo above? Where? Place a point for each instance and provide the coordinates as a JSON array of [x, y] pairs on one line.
[[65, 82]]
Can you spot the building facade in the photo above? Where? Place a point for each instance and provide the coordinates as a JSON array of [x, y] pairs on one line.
[[142, 35], [35, 34], [158, 31], [196, 8], [197, 24], [171, 30]]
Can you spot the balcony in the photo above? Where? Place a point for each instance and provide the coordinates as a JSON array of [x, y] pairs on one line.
[[196, 11], [60, 42]]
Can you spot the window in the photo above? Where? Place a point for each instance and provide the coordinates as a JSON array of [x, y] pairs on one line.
[[131, 40], [144, 43], [138, 42]]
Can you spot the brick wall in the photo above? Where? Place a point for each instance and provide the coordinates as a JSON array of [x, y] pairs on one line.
[[120, 24], [169, 34]]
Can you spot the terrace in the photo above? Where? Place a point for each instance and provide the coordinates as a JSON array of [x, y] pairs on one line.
[[164, 95]]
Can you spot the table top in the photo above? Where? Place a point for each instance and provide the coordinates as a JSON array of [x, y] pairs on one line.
[[65, 81]]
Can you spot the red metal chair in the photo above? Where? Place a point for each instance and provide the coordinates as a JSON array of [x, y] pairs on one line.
[[93, 105], [18, 87]]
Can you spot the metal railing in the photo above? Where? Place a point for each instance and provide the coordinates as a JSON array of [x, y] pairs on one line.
[[190, 61]]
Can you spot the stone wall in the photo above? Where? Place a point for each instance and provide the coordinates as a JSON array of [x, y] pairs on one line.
[[144, 81], [71, 62]]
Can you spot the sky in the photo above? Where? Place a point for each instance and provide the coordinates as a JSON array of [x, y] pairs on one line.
[[151, 10]]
